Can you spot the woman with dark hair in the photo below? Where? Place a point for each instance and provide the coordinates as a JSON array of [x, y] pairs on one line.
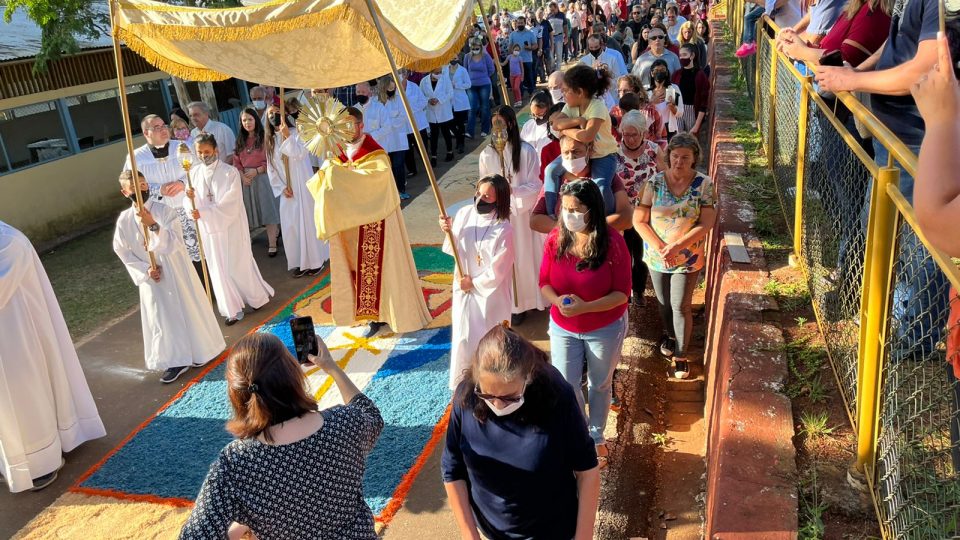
[[666, 98], [585, 275], [518, 461], [630, 84], [482, 72], [263, 208], [536, 130], [293, 471], [482, 293], [520, 165], [675, 214], [694, 88]]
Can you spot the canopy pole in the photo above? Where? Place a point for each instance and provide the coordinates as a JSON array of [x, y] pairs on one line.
[[401, 90], [186, 161], [127, 132], [496, 54], [283, 122]]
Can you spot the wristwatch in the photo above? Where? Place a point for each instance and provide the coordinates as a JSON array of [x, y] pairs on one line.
[[154, 228]]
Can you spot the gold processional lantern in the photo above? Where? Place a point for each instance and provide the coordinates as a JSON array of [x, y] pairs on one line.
[[324, 125]]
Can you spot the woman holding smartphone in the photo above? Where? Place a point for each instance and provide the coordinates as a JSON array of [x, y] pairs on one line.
[[316, 458]]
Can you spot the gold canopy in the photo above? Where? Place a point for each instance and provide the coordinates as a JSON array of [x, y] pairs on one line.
[[294, 43]]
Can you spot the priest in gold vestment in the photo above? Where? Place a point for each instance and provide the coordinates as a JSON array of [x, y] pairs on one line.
[[373, 277]]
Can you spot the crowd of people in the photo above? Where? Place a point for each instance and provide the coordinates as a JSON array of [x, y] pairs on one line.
[[574, 211]]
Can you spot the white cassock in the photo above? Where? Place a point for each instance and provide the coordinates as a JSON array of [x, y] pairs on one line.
[[179, 327], [45, 404], [419, 105], [300, 243], [535, 135], [525, 186], [234, 273], [160, 171], [395, 125], [485, 245], [442, 90]]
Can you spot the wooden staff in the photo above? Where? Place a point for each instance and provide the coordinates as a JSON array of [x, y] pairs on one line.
[[401, 90], [127, 132], [186, 160], [499, 142], [283, 122], [496, 54]]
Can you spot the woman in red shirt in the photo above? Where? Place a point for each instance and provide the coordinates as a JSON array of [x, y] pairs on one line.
[[250, 158], [585, 275]]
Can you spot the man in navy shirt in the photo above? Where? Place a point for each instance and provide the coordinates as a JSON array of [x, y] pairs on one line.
[[528, 45]]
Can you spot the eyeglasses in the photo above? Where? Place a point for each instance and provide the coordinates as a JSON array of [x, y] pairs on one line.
[[655, 38], [505, 399], [155, 128]]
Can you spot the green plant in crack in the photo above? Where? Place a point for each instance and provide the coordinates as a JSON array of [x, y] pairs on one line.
[[812, 508], [815, 425]]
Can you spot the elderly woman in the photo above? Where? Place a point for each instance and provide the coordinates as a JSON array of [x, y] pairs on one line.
[[585, 275], [675, 214], [518, 461], [316, 458], [640, 159]]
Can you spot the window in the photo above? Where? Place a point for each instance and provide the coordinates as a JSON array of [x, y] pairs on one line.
[[96, 116], [31, 134]]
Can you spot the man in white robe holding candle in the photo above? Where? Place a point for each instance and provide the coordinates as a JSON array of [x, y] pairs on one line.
[[179, 328], [45, 404], [234, 274]]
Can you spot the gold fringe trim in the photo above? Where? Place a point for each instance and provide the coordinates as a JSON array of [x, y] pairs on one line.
[[132, 34], [165, 8]]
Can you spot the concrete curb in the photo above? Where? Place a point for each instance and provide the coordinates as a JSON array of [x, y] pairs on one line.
[[751, 460]]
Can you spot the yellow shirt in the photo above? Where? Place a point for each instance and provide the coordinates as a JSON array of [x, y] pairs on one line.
[[604, 144]]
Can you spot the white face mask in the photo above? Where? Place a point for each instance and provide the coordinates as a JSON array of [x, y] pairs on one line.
[[516, 53], [509, 409], [209, 160], [574, 221], [557, 95], [574, 165], [259, 104]]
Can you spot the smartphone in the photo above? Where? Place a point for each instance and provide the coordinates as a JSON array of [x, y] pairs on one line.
[[304, 338], [832, 58]]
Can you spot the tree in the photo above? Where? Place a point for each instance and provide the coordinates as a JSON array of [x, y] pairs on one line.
[[62, 22]]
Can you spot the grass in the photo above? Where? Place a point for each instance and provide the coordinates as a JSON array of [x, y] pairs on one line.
[[805, 363], [812, 510], [90, 282], [815, 425], [791, 295], [662, 440]]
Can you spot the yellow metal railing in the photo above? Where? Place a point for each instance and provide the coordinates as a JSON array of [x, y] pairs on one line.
[[880, 290]]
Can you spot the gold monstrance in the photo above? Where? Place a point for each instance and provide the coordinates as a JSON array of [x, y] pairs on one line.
[[325, 125]]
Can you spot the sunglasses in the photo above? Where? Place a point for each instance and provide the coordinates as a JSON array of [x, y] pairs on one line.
[[655, 38], [505, 399]]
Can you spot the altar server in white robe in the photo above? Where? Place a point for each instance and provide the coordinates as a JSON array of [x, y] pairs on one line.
[[179, 327], [45, 405], [522, 166], [536, 130], [234, 273], [483, 297], [394, 140], [438, 90], [159, 163], [305, 253], [418, 103]]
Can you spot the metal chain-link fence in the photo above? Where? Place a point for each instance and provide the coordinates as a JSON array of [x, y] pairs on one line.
[[833, 240], [918, 454], [907, 388]]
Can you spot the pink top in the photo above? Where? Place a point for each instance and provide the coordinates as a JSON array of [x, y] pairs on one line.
[[250, 157], [589, 285]]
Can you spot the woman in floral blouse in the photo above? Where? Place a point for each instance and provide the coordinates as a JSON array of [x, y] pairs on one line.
[[675, 214], [639, 160]]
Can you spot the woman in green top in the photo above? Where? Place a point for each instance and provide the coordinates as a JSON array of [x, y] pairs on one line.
[[675, 214]]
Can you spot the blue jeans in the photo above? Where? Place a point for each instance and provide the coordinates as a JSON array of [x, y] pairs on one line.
[[602, 170], [750, 24], [479, 106], [601, 350]]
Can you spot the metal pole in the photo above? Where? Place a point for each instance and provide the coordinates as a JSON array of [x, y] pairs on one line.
[[496, 54], [127, 132], [771, 120], [805, 87], [882, 237], [283, 122], [186, 163], [401, 90]]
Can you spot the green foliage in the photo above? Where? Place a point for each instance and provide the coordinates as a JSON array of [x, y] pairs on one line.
[[805, 364], [815, 425], [792, 295], [62, 22], [811, 509], [662, 439]]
